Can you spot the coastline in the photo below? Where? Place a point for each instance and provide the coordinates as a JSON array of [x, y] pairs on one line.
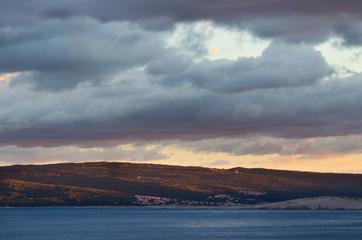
[[318, 203]]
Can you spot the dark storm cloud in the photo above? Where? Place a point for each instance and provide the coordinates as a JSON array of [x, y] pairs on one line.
[[280, 65], [306, 20], [60, 54], [126, 113]]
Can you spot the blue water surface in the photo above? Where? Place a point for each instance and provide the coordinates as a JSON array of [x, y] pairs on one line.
[[100, 223]]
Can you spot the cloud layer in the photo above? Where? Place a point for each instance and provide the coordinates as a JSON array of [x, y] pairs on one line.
[[280, 65], [144, 112], [61, 54], [104, 73], [297, 21]]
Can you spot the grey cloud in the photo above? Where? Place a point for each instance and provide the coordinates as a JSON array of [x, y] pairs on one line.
[[297, 21], [310, 29], [351, 33], [123, 113], [280, 65], [334, 145], [61, 54]]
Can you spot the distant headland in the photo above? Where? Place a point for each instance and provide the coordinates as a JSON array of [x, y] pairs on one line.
[[129, 184]]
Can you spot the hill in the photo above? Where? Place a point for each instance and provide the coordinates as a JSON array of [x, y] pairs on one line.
[[110, 183], [322, 203]]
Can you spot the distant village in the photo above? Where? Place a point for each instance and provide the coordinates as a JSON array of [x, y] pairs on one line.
[[244, 197]]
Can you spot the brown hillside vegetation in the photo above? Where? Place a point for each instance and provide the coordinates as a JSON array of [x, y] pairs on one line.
[[106, 183], [20, 193]]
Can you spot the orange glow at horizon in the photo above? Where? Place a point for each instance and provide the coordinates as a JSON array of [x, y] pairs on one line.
[[326, 162], [177, 155]]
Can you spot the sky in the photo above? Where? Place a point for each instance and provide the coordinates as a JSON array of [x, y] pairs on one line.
[[253, 83]]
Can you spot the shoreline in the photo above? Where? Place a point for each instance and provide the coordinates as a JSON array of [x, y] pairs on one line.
[[186, 208], [318, 203]]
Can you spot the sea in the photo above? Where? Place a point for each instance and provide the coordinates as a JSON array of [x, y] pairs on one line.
[[155, 223]]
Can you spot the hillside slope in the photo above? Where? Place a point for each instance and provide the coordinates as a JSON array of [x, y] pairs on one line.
[[120, 182], [325, 203]]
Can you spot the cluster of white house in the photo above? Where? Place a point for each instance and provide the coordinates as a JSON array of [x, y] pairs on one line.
[[218, 199], [154, 200], [252, 193]]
